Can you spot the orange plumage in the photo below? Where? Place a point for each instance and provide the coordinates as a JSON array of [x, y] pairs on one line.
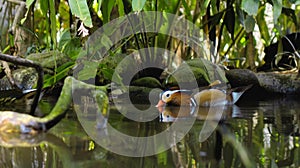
[[207, 97]]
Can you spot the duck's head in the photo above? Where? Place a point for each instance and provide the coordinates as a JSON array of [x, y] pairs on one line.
[[169, 95], [175, 98]]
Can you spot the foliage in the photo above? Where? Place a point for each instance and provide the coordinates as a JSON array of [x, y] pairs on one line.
[[234, 31]]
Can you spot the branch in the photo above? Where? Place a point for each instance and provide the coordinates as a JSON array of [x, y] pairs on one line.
[[28, 63]]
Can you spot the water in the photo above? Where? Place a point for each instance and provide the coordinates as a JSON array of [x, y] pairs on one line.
[[259, 133]]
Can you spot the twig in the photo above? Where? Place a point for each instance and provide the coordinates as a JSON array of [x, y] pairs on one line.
[[8, 73]]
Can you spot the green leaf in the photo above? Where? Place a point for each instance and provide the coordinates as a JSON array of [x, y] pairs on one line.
[[80, 9], [249, 23], [29, 3], [44, 7], [290, 13], [68, 45], [106, 42], [187, 10], [64, 38], [250, 6], [53, 22], [262, 25], [203, 6], [62, 72], [72, 48], [137, 5], [107, 6], [89, 70], [120, 7], [277, 8], [107, 73], [215, 19]]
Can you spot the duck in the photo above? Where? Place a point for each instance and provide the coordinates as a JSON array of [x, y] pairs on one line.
[[204, 98]]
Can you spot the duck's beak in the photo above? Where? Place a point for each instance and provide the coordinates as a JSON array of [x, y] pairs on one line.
[[160, 105]]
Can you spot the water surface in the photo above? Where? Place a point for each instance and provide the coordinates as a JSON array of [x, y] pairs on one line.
[[262, 132]]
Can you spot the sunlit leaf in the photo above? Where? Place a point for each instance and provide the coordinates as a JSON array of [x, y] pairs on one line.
[[137, 5], [187, 10], [44, 5], [263, 27], [250, 6], [29, 3], [203, 6], [120, 7], [81, 10], [100, 4]]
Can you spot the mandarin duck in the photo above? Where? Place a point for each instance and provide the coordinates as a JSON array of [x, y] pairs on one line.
[[205, 98]]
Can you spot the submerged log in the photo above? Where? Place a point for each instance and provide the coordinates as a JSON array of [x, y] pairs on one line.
[[270, 82], [279, 82]]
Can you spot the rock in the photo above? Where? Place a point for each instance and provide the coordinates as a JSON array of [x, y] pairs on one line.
[[140, 95], [201, 70], [279, 82], [49, 60], [25, 78], [147, 82], [241, 77], [265, 82]]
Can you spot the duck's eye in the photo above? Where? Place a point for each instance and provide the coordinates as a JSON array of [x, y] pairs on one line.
[[167, 95]]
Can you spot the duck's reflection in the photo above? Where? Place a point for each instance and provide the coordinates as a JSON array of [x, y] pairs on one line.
[[172, 113]]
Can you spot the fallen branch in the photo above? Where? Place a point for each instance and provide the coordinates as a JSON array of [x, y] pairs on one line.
[[14, 122]]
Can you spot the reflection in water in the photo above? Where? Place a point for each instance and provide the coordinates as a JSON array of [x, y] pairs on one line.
[[265, 133]]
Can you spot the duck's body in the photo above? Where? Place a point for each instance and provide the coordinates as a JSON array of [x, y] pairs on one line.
[[204, 98]]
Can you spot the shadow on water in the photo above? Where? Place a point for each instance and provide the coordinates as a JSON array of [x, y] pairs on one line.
[[264, 133]]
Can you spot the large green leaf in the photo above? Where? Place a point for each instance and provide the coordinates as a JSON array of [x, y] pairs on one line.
[[250, 6], [137, 5], [89, 70], [80, 9], [277, 8]]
